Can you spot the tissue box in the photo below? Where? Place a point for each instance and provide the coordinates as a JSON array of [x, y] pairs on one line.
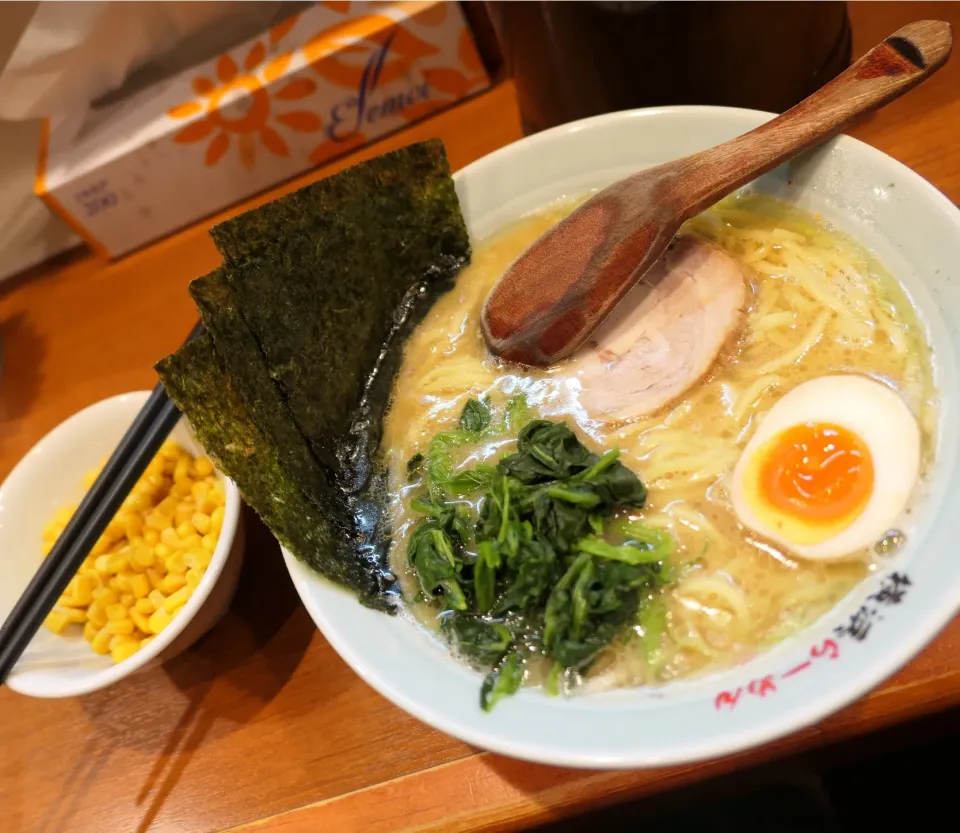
[[318, 85]]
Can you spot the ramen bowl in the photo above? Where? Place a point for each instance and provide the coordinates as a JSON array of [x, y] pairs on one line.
[[875, 629]]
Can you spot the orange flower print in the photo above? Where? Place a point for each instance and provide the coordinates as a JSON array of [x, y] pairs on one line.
[[235, 108]]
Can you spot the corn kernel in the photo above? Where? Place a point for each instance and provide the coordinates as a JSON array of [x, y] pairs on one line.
[[90, 629], [216, 519], [201, 522], [176, 564], [157, 599], [101, 642], [217, 495], [97, 613], [104, 595], [123, 581], [154, 578], [203, 466], [115, 530], [151, 537], [124, 650], [143, 556], [132, 525], [181, 488], [140, 586], [169, 451], [184, 530], [116, 612], [45, 548], [161, 551], [170, 538], [209, 543], [145, 606], [75, 614], [197, 559], [177, 599], [159, 620], [140, 620], [114, 585], [128, 600], [56, 621], [82, 589], [120, 626], [172, 582], [200, 490], [146, 641], [185, 510], [193, 577], [167, 507], [182, 469], [158, 521]]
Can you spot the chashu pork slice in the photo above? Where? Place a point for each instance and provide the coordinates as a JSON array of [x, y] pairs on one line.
[[664, 335]]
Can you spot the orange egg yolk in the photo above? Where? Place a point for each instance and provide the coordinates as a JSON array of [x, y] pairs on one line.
[[817, 472]]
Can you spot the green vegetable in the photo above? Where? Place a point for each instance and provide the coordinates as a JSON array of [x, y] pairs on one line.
[[475, 416], [430, 551], [542, 565], [652, 620], [478, 640], [503, 681], [414, 467]]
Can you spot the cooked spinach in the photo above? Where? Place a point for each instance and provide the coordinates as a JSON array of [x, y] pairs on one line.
[[532, 566]]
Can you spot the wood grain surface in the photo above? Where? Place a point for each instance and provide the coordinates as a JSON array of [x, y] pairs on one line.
[[261, 726]]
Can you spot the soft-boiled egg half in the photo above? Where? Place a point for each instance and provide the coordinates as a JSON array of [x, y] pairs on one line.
[[830, 468]]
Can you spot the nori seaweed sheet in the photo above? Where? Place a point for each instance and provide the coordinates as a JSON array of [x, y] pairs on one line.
[[244, 362], [320, 273], [199, 384], [307, 321]]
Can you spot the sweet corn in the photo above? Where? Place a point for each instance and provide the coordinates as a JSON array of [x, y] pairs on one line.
[[90, 630], [124, 649], [140, 586], [56, 621], [149, 559], [203, 466], [177, 599], [120, 626], [172, 582], [175, 563], [101, 642], [159, 620], [216, 520], [140, 620], [155, 579]]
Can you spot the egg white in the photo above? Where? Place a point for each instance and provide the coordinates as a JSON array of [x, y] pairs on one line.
[[882, 421]]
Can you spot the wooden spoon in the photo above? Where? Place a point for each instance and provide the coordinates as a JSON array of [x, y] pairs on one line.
[[558, 292]]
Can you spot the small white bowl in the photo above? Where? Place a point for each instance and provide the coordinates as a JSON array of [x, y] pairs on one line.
[[915, 231], [49, 477]]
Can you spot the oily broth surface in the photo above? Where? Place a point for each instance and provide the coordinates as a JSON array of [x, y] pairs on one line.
[[818, 304]]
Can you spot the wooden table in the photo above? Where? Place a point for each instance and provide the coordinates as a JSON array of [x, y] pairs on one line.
[[261, 726]]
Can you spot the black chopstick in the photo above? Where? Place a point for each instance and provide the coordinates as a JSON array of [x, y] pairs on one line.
[[134, 452]]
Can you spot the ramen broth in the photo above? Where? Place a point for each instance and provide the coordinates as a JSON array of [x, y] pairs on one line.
[[817, 304]]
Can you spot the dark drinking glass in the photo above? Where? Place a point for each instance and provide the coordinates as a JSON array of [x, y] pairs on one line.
[[570, 60]]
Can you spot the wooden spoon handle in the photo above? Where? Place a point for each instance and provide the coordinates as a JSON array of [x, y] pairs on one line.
[[886, 72]]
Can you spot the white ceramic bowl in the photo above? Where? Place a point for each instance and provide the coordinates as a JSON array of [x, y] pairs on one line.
[[49, 477], [915, 231]]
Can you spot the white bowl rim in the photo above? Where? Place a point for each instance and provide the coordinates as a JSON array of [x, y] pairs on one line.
[[108, 676], [925, 625]]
